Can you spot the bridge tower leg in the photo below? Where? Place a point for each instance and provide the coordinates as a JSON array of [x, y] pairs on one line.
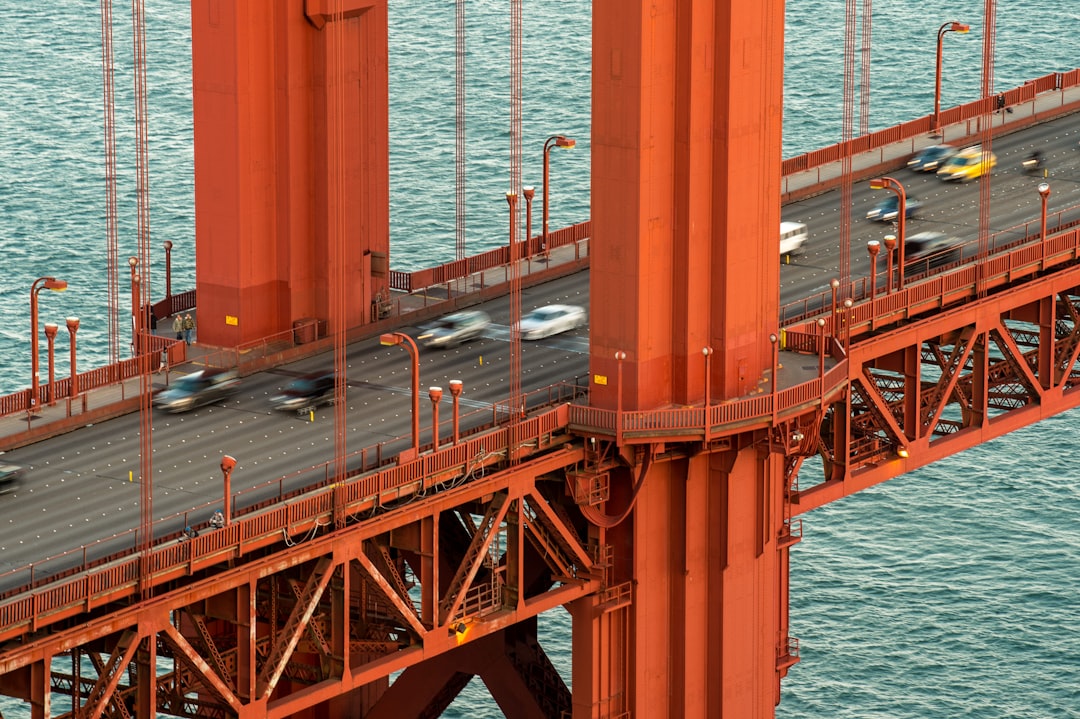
[[687, 105], [270, 96]]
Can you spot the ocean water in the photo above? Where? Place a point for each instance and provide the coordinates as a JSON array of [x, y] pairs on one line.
[[950, 592]]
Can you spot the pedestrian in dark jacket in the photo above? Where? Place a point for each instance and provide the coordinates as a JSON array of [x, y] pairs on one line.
[[189, 327], [178, 326]]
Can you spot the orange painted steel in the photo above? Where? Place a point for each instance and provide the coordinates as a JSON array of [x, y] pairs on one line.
[[264, 89], [661, 515]]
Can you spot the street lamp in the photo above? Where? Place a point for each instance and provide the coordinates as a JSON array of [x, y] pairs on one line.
[[888, 183], [619, 357], [41, 283], [947, 27], [228, 464], [890, 245], [529, 191], [73, 327], [834, 284], [435, 394], [168, 269], [873, 247], [1044, 195], [553, 141], [847, 325], [133, 262], [50, 334], [455, 392], [400, 338]]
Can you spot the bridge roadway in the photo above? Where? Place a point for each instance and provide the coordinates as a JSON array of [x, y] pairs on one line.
[[78, 487]]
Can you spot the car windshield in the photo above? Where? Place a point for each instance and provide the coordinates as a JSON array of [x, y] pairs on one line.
[[544, 313]]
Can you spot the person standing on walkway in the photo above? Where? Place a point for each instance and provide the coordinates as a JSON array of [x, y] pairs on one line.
[[189, 327], [178, 326]]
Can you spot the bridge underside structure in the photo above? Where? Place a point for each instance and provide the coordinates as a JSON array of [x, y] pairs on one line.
[[659, 513]]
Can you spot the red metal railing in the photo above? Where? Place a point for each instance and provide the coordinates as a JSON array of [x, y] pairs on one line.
[[924, 125]]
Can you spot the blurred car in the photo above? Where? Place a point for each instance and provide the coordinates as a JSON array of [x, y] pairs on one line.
[[931, 158], [198, 388], [456, 328], [306, 392], [551, 320], [888, 209], [10, 477], [931, 250], [968, 164]]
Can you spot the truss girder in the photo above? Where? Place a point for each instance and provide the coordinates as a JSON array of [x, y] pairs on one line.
[[926, 389], [277, 598], [297, 622], [481, 542]]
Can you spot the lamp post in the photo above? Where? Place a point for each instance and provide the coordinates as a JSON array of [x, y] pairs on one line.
[[435, 394], [947, 27], [847, 325], [821, 347], [707, 352], [1044, 196], [73, 327], [619, 357], [50, 335], [133, 262], [834, 284], [400, 338], [168, 269], [873, 247], [553, 141], [227, 465], [888, 183], [455, 393], [529, 191], [41, 283], [890, 246]]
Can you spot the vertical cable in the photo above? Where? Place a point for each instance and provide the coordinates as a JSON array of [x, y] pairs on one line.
[[142, 155], [459, 124], [986, 137], [337, 274], [845, 139], [109, 108], [515, 188], [864, 69]]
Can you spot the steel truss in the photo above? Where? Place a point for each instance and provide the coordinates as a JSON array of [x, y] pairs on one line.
[[920, 391], [439, 590]]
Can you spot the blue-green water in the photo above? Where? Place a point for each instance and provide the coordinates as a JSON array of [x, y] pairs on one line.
[[947, 593]]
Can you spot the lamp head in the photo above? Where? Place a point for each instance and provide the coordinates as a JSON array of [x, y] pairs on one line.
[[72, 324], [890, 242], [51, 283], [227, 463], [1044, 189], [873, 247], [878, 183], [455, 388], [567, 143], [168, 245], [529, 191], [389, 339], [435, 393], [133, 261], [960, 27]]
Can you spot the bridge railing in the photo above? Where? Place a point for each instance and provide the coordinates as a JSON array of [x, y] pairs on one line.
[[924, 125], [73, 590]]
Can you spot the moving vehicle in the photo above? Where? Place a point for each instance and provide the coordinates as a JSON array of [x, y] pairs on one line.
[[968, 164], [551, 320], [198, 388], [455, 328], [306, 392], [888, 209], [10, 477], [929, 159], [930, 250], [792, 237], [1032, 162]]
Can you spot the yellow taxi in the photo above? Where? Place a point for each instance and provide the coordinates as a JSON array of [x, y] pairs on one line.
[[968, 164]]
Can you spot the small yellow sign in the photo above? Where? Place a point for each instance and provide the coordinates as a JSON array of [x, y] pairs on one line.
[[599, 379], [230, 320]]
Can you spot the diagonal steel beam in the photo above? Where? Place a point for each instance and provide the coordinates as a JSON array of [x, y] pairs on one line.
[[109, 675], [470, 564], [294, 626], [181, 646], [405, 609]]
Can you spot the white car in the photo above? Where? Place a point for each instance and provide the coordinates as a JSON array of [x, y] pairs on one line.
[[551, 320]]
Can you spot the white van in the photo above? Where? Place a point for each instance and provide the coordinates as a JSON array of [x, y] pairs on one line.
[[792, 237]]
